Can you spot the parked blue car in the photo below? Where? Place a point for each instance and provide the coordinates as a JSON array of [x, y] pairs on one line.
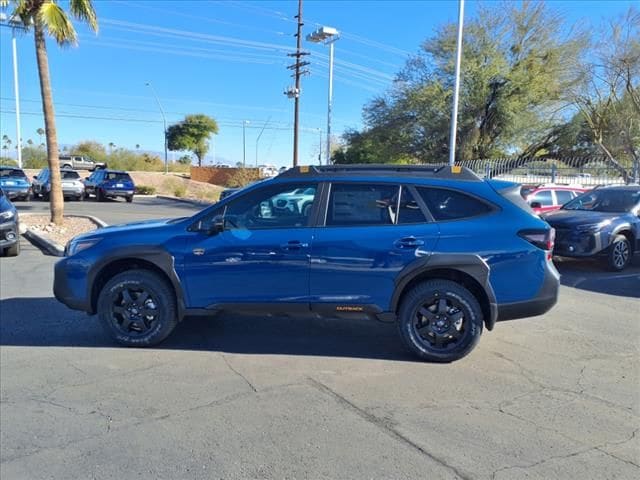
[[436, 249], [15, 183], [9, 227], [109, 184]]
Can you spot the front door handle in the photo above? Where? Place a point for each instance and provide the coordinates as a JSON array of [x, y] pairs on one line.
[[294, 245], [409, 242]]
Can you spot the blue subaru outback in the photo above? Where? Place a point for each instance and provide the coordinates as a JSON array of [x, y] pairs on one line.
[[436, 249]]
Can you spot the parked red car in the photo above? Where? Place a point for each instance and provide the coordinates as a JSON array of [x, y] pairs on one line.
[[547, 198]]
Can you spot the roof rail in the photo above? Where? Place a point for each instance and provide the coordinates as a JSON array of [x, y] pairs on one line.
[[384, 170]]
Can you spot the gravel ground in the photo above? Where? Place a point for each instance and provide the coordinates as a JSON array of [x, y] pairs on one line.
[[59, 234]]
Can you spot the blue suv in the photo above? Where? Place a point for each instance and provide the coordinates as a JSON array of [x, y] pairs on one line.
[[109, 184], [436, 249]]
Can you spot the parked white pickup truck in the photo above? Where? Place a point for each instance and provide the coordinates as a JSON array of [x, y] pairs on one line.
[[79, 162]]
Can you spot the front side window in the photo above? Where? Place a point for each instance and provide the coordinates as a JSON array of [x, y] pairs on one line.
[[447, 204], [276, 206], [361, 204]]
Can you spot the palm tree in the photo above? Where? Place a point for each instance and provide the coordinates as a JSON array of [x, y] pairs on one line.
[[111, 147], [30, 142], [137, 146], [47, 17], [40, 133]]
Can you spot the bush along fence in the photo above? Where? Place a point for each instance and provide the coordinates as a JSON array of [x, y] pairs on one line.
[[592, 170]]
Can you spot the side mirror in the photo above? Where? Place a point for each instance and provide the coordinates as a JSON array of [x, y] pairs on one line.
[[535, 205], [35, 177], [216, 226]]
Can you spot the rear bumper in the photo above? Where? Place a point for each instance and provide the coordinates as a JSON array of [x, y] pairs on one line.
[[16, 192], [118, 193], [546, 298]]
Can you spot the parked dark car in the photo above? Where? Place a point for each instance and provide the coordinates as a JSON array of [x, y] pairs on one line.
[[110, 184], [72, 186], [15, 183], [604, 222], [438, 250], [9, 227]]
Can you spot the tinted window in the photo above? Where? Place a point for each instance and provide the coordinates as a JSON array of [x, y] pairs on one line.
[[362, 204], [543, 197], [275, 206], [564, 196], [69, 175], [451, 205], [12, 172], [119, 176], [606, 200], [410, 211]]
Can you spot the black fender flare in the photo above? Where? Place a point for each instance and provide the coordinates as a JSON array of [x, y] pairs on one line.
[[156, 256], [629, 227], [470, 264]]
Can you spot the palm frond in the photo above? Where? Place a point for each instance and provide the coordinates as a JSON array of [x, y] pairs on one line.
[[54, 19], [83, 10]]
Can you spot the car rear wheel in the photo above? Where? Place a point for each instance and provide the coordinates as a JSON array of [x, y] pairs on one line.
[[99, 195], [137, 308], [45, 197], [129, 198], [440, 321], [619, 255]]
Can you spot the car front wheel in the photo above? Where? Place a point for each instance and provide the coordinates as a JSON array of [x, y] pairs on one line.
[[440, 321], [619, 255], [137, 308]]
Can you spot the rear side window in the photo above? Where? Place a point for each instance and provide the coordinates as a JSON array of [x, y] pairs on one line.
[[451, 205], [564, 196], [362, 204], [543, 197], [410, 211]]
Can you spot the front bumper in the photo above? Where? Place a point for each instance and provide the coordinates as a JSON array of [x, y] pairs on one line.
[[9, 234], [546, 298], [69, 284], [574, 243]]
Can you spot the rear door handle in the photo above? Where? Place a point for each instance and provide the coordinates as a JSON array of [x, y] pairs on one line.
[[409, 242], [294, 245]]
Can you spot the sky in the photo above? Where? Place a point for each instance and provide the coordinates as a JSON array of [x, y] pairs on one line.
[[228, 59]]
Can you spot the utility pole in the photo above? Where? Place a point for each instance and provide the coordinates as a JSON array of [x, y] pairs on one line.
[[295, 92], [244, 143], [456, 88], [258, 138]]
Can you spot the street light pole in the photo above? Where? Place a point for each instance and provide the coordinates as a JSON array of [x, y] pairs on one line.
[[456, 88], [164, 122], [244, 143], [13, 24], [328, 36]]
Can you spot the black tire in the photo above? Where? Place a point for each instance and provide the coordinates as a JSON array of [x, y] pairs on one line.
[[129, 198], [45, 197], [436, 331], [13, 250], [66, 165], [85, 195], [80, 198], [99, 195], [619, 254], [120, 312]]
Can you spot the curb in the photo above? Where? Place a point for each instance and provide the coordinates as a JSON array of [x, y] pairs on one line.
[[49, 245], [197, 203]]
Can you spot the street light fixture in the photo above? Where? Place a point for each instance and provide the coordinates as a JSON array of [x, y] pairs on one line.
[[328, 36], [14, 23], [164, 121]]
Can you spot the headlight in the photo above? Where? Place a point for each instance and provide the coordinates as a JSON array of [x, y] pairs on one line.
[[77, 245], [7, 215], [593, 227]]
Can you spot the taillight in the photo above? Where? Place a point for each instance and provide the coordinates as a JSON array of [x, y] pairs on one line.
[[543, 239]]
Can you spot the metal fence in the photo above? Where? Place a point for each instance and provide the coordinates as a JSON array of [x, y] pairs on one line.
[[586, 171]]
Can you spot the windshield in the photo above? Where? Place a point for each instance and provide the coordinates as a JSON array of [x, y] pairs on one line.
[[12, 172], [69, 175], [605, 200]]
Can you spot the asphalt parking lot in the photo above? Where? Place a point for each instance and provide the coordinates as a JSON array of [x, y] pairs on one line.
[[556, 396]]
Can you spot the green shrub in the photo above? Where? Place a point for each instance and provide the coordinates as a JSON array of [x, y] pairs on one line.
[[180, 191], [145, 190]]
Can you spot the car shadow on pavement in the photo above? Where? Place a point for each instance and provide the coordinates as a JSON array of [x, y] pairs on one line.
[[592, 276], [44, 322]]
